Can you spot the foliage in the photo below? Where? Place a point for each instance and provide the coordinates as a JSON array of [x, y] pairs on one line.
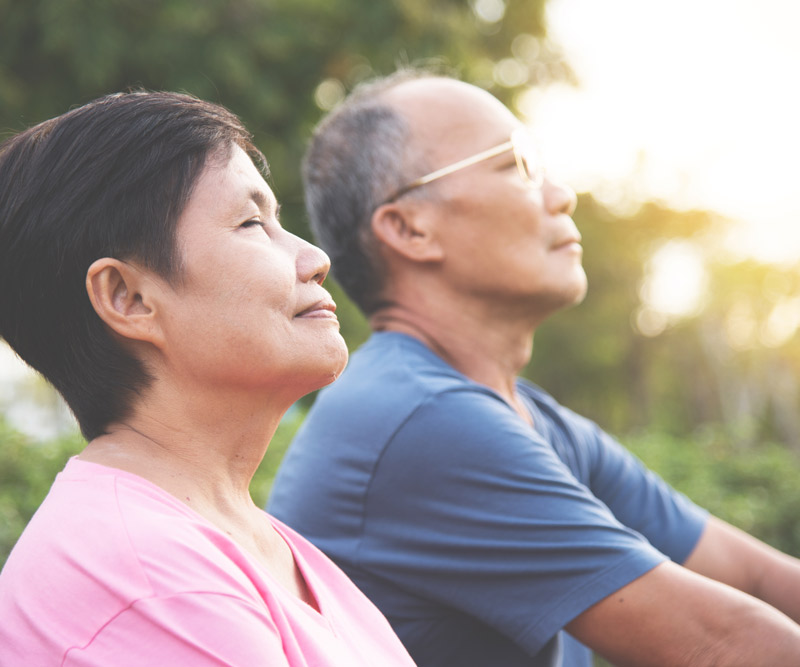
[[27, 469], [752, 486]]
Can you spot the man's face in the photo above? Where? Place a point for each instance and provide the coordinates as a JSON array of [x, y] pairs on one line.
[[506, 242]]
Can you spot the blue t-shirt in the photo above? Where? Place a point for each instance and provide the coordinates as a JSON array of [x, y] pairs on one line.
[[477, 535]]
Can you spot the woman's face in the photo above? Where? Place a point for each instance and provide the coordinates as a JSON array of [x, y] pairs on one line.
[[249, 311]]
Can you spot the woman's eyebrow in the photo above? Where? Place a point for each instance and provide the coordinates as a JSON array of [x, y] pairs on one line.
[[265, 203]]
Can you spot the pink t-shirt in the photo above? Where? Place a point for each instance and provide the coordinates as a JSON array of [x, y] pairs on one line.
[[113, 570]]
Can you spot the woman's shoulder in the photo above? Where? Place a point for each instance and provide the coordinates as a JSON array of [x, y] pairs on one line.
[[106, 529]]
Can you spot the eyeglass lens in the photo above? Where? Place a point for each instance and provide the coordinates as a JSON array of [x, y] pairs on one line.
[[529, 158]]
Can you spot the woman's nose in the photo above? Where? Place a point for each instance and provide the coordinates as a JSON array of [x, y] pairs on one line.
[[312, 263]]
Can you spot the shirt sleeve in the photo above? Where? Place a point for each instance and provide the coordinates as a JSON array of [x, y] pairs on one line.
[[493, 522], [635, 495], [198, 629]]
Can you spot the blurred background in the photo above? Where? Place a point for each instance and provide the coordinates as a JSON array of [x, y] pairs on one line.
[[675, 122]]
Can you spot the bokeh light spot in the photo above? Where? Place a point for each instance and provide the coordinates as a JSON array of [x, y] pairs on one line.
[[329, 93]]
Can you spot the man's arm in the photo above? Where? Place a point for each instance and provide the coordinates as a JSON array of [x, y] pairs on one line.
[[729, 555], [673, 617]]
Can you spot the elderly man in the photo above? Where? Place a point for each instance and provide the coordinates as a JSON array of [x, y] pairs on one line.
[[489, 523]]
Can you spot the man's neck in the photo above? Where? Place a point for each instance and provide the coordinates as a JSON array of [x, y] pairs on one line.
[[489, 352]]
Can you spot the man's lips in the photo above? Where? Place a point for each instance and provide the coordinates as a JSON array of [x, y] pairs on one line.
[[570, 241]]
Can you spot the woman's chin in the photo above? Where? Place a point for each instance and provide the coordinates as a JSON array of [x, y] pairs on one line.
[[339, 363], [330, 368]]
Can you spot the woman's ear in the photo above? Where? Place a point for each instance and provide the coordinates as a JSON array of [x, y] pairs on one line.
[[407, 231], [119, 292]]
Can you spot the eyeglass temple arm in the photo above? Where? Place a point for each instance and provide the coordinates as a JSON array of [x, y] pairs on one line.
[[461, 164]]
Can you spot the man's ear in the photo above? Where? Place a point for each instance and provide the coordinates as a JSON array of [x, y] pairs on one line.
[[119, 293], [407, 231]]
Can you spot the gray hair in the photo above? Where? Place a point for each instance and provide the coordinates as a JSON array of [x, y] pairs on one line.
[[356, 159]]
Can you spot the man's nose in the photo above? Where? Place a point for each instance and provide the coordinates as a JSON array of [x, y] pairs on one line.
[[559, 197]]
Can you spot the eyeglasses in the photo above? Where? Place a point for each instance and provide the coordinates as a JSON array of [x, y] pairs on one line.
[[529, 164]]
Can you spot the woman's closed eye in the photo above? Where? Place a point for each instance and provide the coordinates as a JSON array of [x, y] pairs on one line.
[[254, 222]]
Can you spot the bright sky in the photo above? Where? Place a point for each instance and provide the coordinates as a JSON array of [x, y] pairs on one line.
[[694, 102]]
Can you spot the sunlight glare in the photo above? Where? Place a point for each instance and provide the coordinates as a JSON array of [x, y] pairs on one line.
[[692, 103], [674, 286], [782, 323]]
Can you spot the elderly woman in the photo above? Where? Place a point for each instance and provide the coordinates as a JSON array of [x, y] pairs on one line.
[[144, 272]]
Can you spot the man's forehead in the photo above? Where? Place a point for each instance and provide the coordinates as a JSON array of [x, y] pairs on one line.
[[437, 96], [442, 109]]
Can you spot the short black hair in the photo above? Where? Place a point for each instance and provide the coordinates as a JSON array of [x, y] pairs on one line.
[[107, 179]]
